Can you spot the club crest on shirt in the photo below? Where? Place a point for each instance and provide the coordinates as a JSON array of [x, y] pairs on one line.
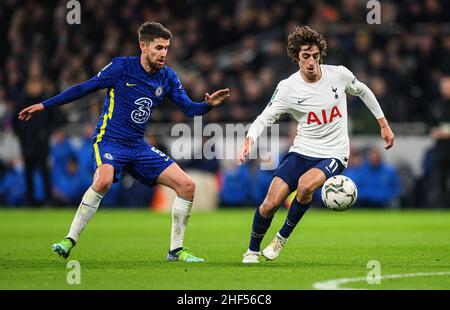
[[108, 156], [334, 90], [158, 91]]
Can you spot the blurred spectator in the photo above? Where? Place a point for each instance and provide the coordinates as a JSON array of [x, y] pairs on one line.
[[355, 164], [70, 186], [236, 184], [426, 191], [205, 173], [61, 152], [377, 182], [12, 184], [440, 131], [13, 188], [261, 183], [34, 138], [84, 154], [262, 175]]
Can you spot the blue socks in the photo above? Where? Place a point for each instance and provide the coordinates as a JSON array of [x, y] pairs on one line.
[[259, 229], [296, 212], [261, 224]]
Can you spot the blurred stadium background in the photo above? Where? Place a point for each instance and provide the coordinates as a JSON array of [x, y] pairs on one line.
[[236, 44]]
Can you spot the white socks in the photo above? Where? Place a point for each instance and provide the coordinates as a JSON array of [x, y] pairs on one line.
[[181, 211], [88, 206]]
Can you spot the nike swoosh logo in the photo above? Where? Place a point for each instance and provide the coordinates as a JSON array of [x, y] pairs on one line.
[[86, 205], [300, 101], [129, 84], [167, 159]]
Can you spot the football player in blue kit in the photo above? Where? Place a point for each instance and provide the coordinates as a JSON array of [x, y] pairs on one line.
[[135, 86]]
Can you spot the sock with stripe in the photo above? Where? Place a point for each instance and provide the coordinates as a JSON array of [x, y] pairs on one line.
[[296, 212], [88, 206], [259, 229]]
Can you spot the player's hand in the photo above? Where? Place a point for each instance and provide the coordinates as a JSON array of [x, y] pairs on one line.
[[217, 98], [27, 113], [388, 137], [386, 133], [245, 150]]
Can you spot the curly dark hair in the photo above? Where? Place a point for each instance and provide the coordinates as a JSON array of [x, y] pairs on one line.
[[305, 36]]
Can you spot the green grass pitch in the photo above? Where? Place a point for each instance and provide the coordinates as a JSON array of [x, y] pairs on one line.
[[126, 249]]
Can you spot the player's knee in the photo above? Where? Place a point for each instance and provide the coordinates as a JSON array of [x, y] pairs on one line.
[[187, 189], [102, 184], [304, 192], [268, 208], [190, 187]]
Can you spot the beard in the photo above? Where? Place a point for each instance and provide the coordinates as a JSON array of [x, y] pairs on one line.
[[153, 65]]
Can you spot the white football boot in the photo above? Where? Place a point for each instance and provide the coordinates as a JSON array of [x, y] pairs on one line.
[[251, 257], [274, 248]]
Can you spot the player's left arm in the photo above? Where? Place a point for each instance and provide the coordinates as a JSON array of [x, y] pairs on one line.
[[357, 88], [178, 95]]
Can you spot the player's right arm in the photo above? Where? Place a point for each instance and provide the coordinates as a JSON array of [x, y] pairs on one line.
[[278, 105], [104, 79]]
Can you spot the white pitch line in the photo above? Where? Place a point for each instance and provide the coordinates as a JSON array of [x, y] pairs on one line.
[[335, 284]]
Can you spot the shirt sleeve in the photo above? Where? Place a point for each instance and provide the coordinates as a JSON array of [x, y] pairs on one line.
[[178, 95], [108, 76], [278, 105], [104, 79], [357, 88]]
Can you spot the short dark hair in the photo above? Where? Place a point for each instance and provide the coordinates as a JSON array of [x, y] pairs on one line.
[[149, 31], [305, 36]]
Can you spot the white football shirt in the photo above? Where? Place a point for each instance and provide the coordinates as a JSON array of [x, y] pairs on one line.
[[320, 108]]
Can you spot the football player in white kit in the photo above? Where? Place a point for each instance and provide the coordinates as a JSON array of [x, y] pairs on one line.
[[316, 97]]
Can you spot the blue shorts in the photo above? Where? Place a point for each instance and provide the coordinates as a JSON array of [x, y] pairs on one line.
[[294, 165], [139, 159]]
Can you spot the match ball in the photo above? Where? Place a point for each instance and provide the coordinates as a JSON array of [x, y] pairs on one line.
[[339, 193]]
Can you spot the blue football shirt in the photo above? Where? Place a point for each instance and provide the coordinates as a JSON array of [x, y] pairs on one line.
[[132, 94]]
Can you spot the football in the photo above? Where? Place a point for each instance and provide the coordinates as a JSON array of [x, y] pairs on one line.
[[339, 193]]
